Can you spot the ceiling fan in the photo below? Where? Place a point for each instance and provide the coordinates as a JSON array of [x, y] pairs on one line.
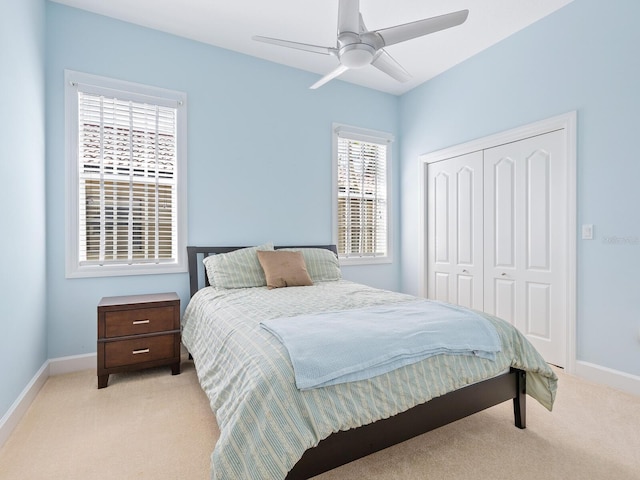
[[358, 47]]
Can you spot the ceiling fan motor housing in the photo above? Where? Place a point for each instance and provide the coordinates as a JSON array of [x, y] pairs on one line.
[[357, 51]]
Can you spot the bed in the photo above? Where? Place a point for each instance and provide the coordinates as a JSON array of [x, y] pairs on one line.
[[271, 429]]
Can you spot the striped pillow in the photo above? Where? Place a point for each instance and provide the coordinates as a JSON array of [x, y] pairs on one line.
[[238, 269], [322, 264]]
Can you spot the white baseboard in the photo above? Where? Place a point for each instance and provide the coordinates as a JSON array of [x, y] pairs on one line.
[[74, 363], [608, 376], [52, 367], [15, 413], [60, 366]]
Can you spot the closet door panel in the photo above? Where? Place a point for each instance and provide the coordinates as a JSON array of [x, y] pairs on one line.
[[502, 232], [454, 230], [538, 309], [441, 215], [465, 290], [538, 214], [441, 287], [526, 227], [504, 300], [465, 215], [503, 189]]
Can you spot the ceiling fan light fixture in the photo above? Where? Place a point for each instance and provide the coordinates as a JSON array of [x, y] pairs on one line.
[[356, 55]]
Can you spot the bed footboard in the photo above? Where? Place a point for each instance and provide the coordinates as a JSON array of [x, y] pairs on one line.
[[347, 446]]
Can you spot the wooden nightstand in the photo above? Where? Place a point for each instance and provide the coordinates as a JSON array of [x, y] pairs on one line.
[[138, 331]]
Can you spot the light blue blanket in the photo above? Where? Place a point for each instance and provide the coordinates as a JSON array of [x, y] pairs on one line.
[[349, 345]]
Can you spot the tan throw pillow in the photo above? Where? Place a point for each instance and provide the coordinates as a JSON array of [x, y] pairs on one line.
[[284, 269]]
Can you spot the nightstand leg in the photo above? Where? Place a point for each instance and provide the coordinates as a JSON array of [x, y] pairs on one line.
[[175, 369], [103, 380]]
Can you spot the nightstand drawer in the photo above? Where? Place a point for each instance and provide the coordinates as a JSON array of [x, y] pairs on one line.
[[138, 331], [139, 321], [139, 350]]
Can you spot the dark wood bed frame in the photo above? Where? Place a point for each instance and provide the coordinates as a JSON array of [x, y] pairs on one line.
[[349, 445]]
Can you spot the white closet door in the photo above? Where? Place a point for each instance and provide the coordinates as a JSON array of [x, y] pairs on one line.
[[525, 229], [454, 238]]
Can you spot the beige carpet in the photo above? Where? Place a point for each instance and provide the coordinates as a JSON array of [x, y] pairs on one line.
[[152, 425]]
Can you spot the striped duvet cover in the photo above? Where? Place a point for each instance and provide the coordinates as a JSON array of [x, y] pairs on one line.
[[266, 423]]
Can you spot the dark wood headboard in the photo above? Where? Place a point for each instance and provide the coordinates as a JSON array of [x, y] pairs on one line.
[[195, 255]]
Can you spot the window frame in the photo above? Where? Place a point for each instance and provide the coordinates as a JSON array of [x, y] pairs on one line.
[[140, 93], [372, 136]]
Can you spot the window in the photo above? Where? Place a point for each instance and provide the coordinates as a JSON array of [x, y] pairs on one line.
[[361, 193], [126, 165]]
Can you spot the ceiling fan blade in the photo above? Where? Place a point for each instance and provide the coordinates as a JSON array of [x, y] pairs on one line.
[[329, 76], [400, 33], [348, 16], [386, 63], [298, 46], [363, 27]]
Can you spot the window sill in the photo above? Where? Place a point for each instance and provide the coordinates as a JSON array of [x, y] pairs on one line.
[[123, 270], [347, 262]]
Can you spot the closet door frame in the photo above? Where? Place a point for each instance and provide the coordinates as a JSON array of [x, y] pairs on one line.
[[566, 122]]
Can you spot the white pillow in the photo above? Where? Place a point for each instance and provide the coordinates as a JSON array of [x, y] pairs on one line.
[[238, 269], [322, 264]]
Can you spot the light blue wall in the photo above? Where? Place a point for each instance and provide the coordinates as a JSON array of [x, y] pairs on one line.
[[23, 346], [585, 58], [259, 153], [247, 185]]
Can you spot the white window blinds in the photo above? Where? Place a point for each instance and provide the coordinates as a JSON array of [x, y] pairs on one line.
[[362, 210], [127, 164]]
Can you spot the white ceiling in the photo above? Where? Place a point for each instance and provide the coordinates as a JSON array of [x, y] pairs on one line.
[[230, 24]]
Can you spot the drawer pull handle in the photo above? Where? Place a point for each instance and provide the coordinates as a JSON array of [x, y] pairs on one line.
[[140, 322], [143, 350]]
